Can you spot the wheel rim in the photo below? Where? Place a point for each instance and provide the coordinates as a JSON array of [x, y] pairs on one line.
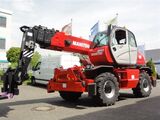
[[109, 89], [145, 85]]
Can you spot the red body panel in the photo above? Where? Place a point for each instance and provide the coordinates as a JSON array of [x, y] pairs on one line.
[[67, 86], [100, 56], [140, 59], [128, 78]]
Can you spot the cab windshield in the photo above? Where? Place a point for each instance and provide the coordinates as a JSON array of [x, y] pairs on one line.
[[100, 39]]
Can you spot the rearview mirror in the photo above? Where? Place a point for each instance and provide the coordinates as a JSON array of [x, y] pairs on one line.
[[33, 69]]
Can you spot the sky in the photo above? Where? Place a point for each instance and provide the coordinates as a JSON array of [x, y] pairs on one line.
[[140, 16]]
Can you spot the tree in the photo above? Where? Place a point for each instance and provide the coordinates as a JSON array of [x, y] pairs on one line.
[[35, 59], [152, 66], [1, 73], [13, 56]]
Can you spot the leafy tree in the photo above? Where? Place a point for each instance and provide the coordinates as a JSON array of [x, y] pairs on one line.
[[152, 66], [1, 74], [13, 56], [35, 59]]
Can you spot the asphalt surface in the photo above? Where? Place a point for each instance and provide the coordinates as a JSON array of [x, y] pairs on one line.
[[34, 103]]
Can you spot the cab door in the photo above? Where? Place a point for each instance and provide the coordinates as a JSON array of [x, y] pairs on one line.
[[133, 51], [36, 70], [119, 46]]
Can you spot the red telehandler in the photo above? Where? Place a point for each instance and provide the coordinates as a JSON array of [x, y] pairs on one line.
[[113, 63]]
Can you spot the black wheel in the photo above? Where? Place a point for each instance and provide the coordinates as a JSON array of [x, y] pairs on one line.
[[107, 89], [143, 88], [158, 76], [33, 81], [70, 96]]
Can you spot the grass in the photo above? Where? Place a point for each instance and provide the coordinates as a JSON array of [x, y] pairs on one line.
[[27, 82]]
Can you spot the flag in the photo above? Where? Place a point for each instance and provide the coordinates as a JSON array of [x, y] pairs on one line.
[[94, 30], [67, 29], [113, 21]]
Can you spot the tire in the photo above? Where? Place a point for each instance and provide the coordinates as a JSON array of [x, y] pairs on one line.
[[33, 81], [107, 89], [158, 76], [143, 89], [70, 96]]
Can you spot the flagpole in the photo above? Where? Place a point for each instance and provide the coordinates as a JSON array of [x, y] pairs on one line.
[[71, 25], [117, 18]]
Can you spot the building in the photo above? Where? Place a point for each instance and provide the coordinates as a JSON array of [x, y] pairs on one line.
[[154, 54], [5, 36]]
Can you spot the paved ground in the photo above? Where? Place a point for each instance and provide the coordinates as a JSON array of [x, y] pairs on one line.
[[23, 107]]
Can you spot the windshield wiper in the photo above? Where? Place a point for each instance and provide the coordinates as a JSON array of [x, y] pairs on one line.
[[98, 42]]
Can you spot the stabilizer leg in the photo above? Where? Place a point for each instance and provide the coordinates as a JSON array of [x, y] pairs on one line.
[[10, 87]]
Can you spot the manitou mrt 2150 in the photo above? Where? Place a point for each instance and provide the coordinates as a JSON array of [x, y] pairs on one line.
[[113, 63]]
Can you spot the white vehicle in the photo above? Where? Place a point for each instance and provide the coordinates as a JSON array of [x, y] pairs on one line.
[[157, 65], [44, 70]]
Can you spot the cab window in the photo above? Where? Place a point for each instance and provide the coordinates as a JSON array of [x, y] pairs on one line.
[[37, 67], [101, 39], [119, 37], [131, 39]]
